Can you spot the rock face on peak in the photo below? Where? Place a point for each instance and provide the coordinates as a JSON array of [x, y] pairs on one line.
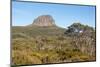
[[44, 20]]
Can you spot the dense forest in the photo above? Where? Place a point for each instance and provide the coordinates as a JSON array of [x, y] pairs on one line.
[[42, 45]]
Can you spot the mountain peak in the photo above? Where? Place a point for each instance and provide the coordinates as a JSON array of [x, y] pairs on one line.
[[44, 20]]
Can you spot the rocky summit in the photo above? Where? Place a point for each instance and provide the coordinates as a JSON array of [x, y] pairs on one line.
[[44, 20]]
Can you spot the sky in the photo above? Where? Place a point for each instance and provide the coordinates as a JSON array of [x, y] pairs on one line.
[[23, 13]]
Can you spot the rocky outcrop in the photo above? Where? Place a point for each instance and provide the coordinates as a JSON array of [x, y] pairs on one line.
[[44, 20]]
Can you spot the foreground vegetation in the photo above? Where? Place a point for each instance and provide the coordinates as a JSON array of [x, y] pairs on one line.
[[35, 45]]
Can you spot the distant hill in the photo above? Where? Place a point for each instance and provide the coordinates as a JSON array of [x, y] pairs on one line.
[[44, 20], [43, 25]]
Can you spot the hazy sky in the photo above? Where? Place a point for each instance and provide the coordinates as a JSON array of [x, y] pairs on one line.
[[23, 13]]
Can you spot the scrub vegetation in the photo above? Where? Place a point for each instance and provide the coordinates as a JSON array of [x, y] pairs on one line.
[[52, 44]]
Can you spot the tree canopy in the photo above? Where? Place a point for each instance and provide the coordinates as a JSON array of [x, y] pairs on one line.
[[77, 28]]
